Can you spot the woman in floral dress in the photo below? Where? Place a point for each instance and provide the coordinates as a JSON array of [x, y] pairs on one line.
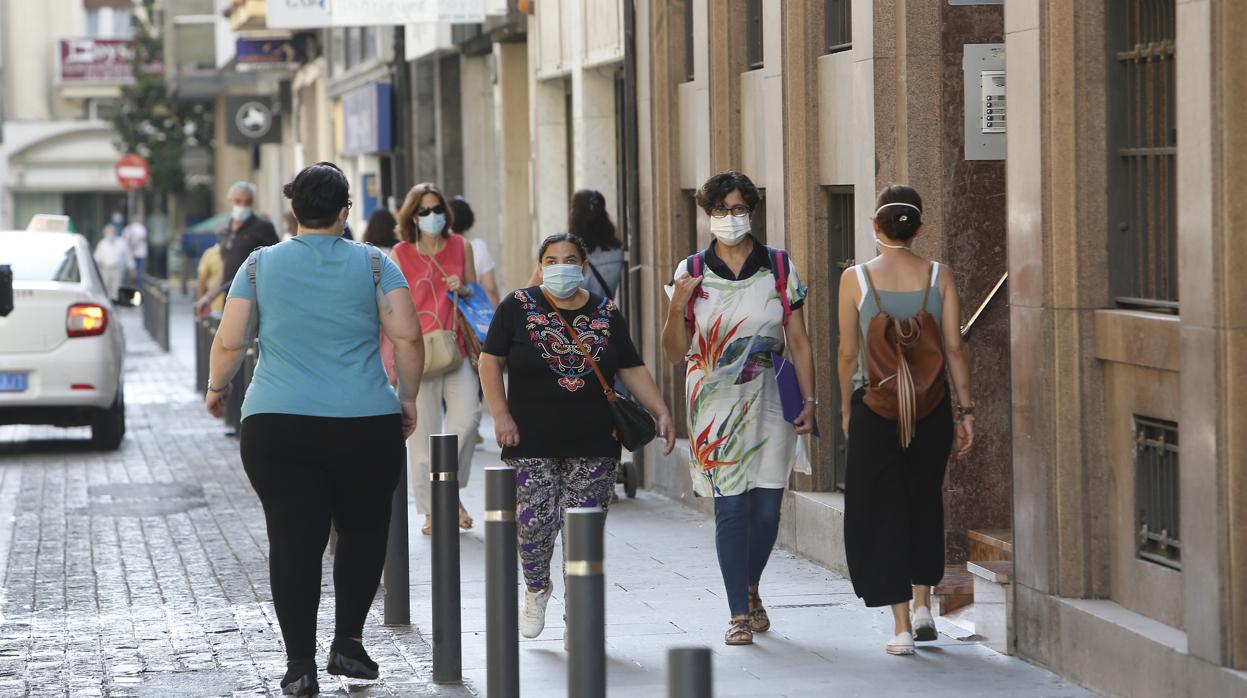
[[745, 309]]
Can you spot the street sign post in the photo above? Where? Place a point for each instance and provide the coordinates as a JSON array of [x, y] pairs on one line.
[[132, 172]]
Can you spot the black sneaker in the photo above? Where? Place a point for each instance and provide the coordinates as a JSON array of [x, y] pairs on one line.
[[300, 679], [348, 658]]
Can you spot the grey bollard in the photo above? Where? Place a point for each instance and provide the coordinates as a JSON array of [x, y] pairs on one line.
[[447, 629], [689, 673], [502, 631], [397, 561], [586, 602]]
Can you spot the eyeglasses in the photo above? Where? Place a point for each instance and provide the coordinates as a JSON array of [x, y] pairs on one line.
[[738, 210], [421, 212]]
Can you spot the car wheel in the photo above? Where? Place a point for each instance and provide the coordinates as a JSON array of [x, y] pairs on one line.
[[108, 426]]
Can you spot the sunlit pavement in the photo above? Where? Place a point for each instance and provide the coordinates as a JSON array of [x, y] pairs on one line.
[[144, 572]]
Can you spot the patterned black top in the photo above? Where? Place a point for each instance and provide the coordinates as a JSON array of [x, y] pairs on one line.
[[555, 399]]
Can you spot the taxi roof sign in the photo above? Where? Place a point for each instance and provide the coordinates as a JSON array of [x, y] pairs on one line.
[[50, 223]]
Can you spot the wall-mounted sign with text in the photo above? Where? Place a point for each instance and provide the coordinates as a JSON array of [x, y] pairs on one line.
[[101, 60], [314, 14], [367, 119], [267, 54]]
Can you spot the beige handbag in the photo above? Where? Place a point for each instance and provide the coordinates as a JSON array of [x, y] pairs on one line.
[[441, 346]]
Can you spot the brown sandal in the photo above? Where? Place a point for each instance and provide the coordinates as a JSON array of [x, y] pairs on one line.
[[759, 622], [738, 633]]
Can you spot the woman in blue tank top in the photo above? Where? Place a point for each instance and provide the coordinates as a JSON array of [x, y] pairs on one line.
[[894, 507]]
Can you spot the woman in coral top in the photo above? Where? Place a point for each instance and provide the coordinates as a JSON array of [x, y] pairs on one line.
[[438, 263]]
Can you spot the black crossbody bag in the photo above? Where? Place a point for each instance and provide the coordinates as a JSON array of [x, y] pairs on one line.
[[634, 425]]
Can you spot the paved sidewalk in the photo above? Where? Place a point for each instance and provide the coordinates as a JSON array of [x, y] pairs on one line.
[[664, 590], [144, 572]]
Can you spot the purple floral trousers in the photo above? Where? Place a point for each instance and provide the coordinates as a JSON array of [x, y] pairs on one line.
[[545, 489]]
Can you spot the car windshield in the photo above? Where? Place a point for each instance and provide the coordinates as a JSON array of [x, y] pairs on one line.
[[55, 259]]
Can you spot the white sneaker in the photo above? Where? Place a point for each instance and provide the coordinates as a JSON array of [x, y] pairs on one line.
[[924, 625], [533, 617], [901, 644]]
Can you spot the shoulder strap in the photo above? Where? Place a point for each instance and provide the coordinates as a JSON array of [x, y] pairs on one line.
[[870, 283], [374, 260], [575, 336], [598, 275], [930, 282], [779, 268], [253, 317], [695, 266]]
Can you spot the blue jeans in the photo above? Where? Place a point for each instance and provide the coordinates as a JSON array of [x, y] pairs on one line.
[[745, 528]]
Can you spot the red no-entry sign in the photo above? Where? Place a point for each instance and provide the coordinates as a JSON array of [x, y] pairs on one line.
[[132, 172]]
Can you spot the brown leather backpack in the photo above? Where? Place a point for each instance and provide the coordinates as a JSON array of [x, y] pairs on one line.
[[904, 365]]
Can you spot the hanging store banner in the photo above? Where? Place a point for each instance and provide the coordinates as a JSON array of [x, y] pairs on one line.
[[367, 120], [314, 14], [100, 60], [250, 120], [267, 54]]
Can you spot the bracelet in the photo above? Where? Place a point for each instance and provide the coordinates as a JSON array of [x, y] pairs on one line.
[[963, 410], [216, 390], [811, 401]]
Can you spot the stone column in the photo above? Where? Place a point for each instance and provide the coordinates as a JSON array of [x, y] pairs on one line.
[[515, 228], [728, 60]]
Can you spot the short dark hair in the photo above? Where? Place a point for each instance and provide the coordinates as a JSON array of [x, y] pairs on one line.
[[589, 220], [563, 237], [316, 195], [900, 221], [462, 215], [716, 189], [380, 230]]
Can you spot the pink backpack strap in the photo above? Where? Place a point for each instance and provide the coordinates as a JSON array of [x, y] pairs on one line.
[[693, 265], [779, 267]]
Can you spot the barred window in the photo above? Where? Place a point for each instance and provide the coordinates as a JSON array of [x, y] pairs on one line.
[[690, 71], [840, 254], [839, 25], [753, 32], [1156, 502], [1142, 232]]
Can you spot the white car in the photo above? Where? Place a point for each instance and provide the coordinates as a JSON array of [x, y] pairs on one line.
[[61, 344]]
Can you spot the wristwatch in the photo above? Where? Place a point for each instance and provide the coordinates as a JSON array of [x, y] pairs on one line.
[[216, 390], [811, 400]]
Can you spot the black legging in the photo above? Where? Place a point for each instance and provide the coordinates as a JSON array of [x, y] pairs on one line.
[[306, 470], [894, 503]]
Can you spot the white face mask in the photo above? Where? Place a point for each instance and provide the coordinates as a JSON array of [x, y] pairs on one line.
[[241, 213], [730, 230]]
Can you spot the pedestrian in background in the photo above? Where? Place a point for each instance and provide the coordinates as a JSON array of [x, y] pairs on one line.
[[114, 259], [900, 425], [381, 230], [136, 236], [589, 221], [439, 265], [245, 232], [735, 307], [464, 219], [551, 419], [322, 431], [210, 272]]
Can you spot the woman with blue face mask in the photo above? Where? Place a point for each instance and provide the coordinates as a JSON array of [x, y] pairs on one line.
[[551, 419], [438, 266]]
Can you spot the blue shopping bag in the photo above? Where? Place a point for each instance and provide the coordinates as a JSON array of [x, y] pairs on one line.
[[476, 310]]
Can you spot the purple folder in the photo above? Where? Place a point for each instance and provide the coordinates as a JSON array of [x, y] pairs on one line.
[[790, 398]]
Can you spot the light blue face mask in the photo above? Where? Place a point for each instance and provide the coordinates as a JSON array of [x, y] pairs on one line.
[[431, 223], [562, 280]]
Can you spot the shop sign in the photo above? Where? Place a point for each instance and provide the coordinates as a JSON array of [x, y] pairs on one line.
[[251, 120], [367, 119], [267, 54], [100, 60], [298, 14]]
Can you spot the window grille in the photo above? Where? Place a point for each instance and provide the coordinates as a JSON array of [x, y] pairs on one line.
[[753, 32], [840, 239], [1143, 227], [839, 25], [689, 66], [1156, 492]]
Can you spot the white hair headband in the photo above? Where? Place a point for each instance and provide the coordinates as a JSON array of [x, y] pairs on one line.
[[898, 203]]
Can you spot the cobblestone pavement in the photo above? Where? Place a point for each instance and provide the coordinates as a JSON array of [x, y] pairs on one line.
[[144, 572]]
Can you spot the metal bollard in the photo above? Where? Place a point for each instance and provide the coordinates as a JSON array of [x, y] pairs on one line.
[[586, 603], [202, 347], [502, 641], [397, 562], [689, 672], [447, 629]]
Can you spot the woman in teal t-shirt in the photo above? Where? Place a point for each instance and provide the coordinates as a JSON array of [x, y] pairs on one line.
[[323, 434]]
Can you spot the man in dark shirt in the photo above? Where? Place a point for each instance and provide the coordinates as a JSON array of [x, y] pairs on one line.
[[245, 232]]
